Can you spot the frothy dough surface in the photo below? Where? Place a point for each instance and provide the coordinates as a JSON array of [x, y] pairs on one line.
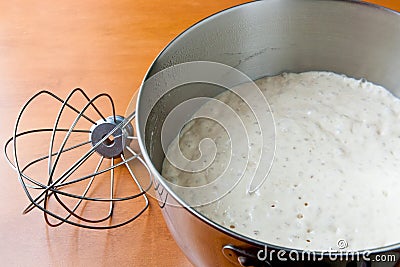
[[335, 174]]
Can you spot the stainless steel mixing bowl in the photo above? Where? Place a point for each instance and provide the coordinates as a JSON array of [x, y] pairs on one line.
[[265, 38]]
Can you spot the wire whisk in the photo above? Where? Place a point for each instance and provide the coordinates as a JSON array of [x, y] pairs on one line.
[[101, 178]]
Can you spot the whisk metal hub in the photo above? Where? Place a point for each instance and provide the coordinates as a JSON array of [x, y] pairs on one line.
[[113, 146]]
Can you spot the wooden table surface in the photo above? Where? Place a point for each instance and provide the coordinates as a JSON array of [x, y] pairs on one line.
[[101, 46]]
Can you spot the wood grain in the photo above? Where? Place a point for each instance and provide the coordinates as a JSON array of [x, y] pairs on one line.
[[101, 46]]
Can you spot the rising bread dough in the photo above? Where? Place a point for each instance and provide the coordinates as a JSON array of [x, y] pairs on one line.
[[335, 174]]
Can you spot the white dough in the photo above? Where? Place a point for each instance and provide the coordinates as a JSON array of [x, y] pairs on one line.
[[336, 169]]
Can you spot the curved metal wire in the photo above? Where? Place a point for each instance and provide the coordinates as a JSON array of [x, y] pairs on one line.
[[91, 103], [52, 169], [76, 165], [9, 141], [55, 185], [72, 212]]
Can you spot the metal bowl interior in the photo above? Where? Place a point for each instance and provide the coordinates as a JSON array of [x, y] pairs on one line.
[[267, 38]]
